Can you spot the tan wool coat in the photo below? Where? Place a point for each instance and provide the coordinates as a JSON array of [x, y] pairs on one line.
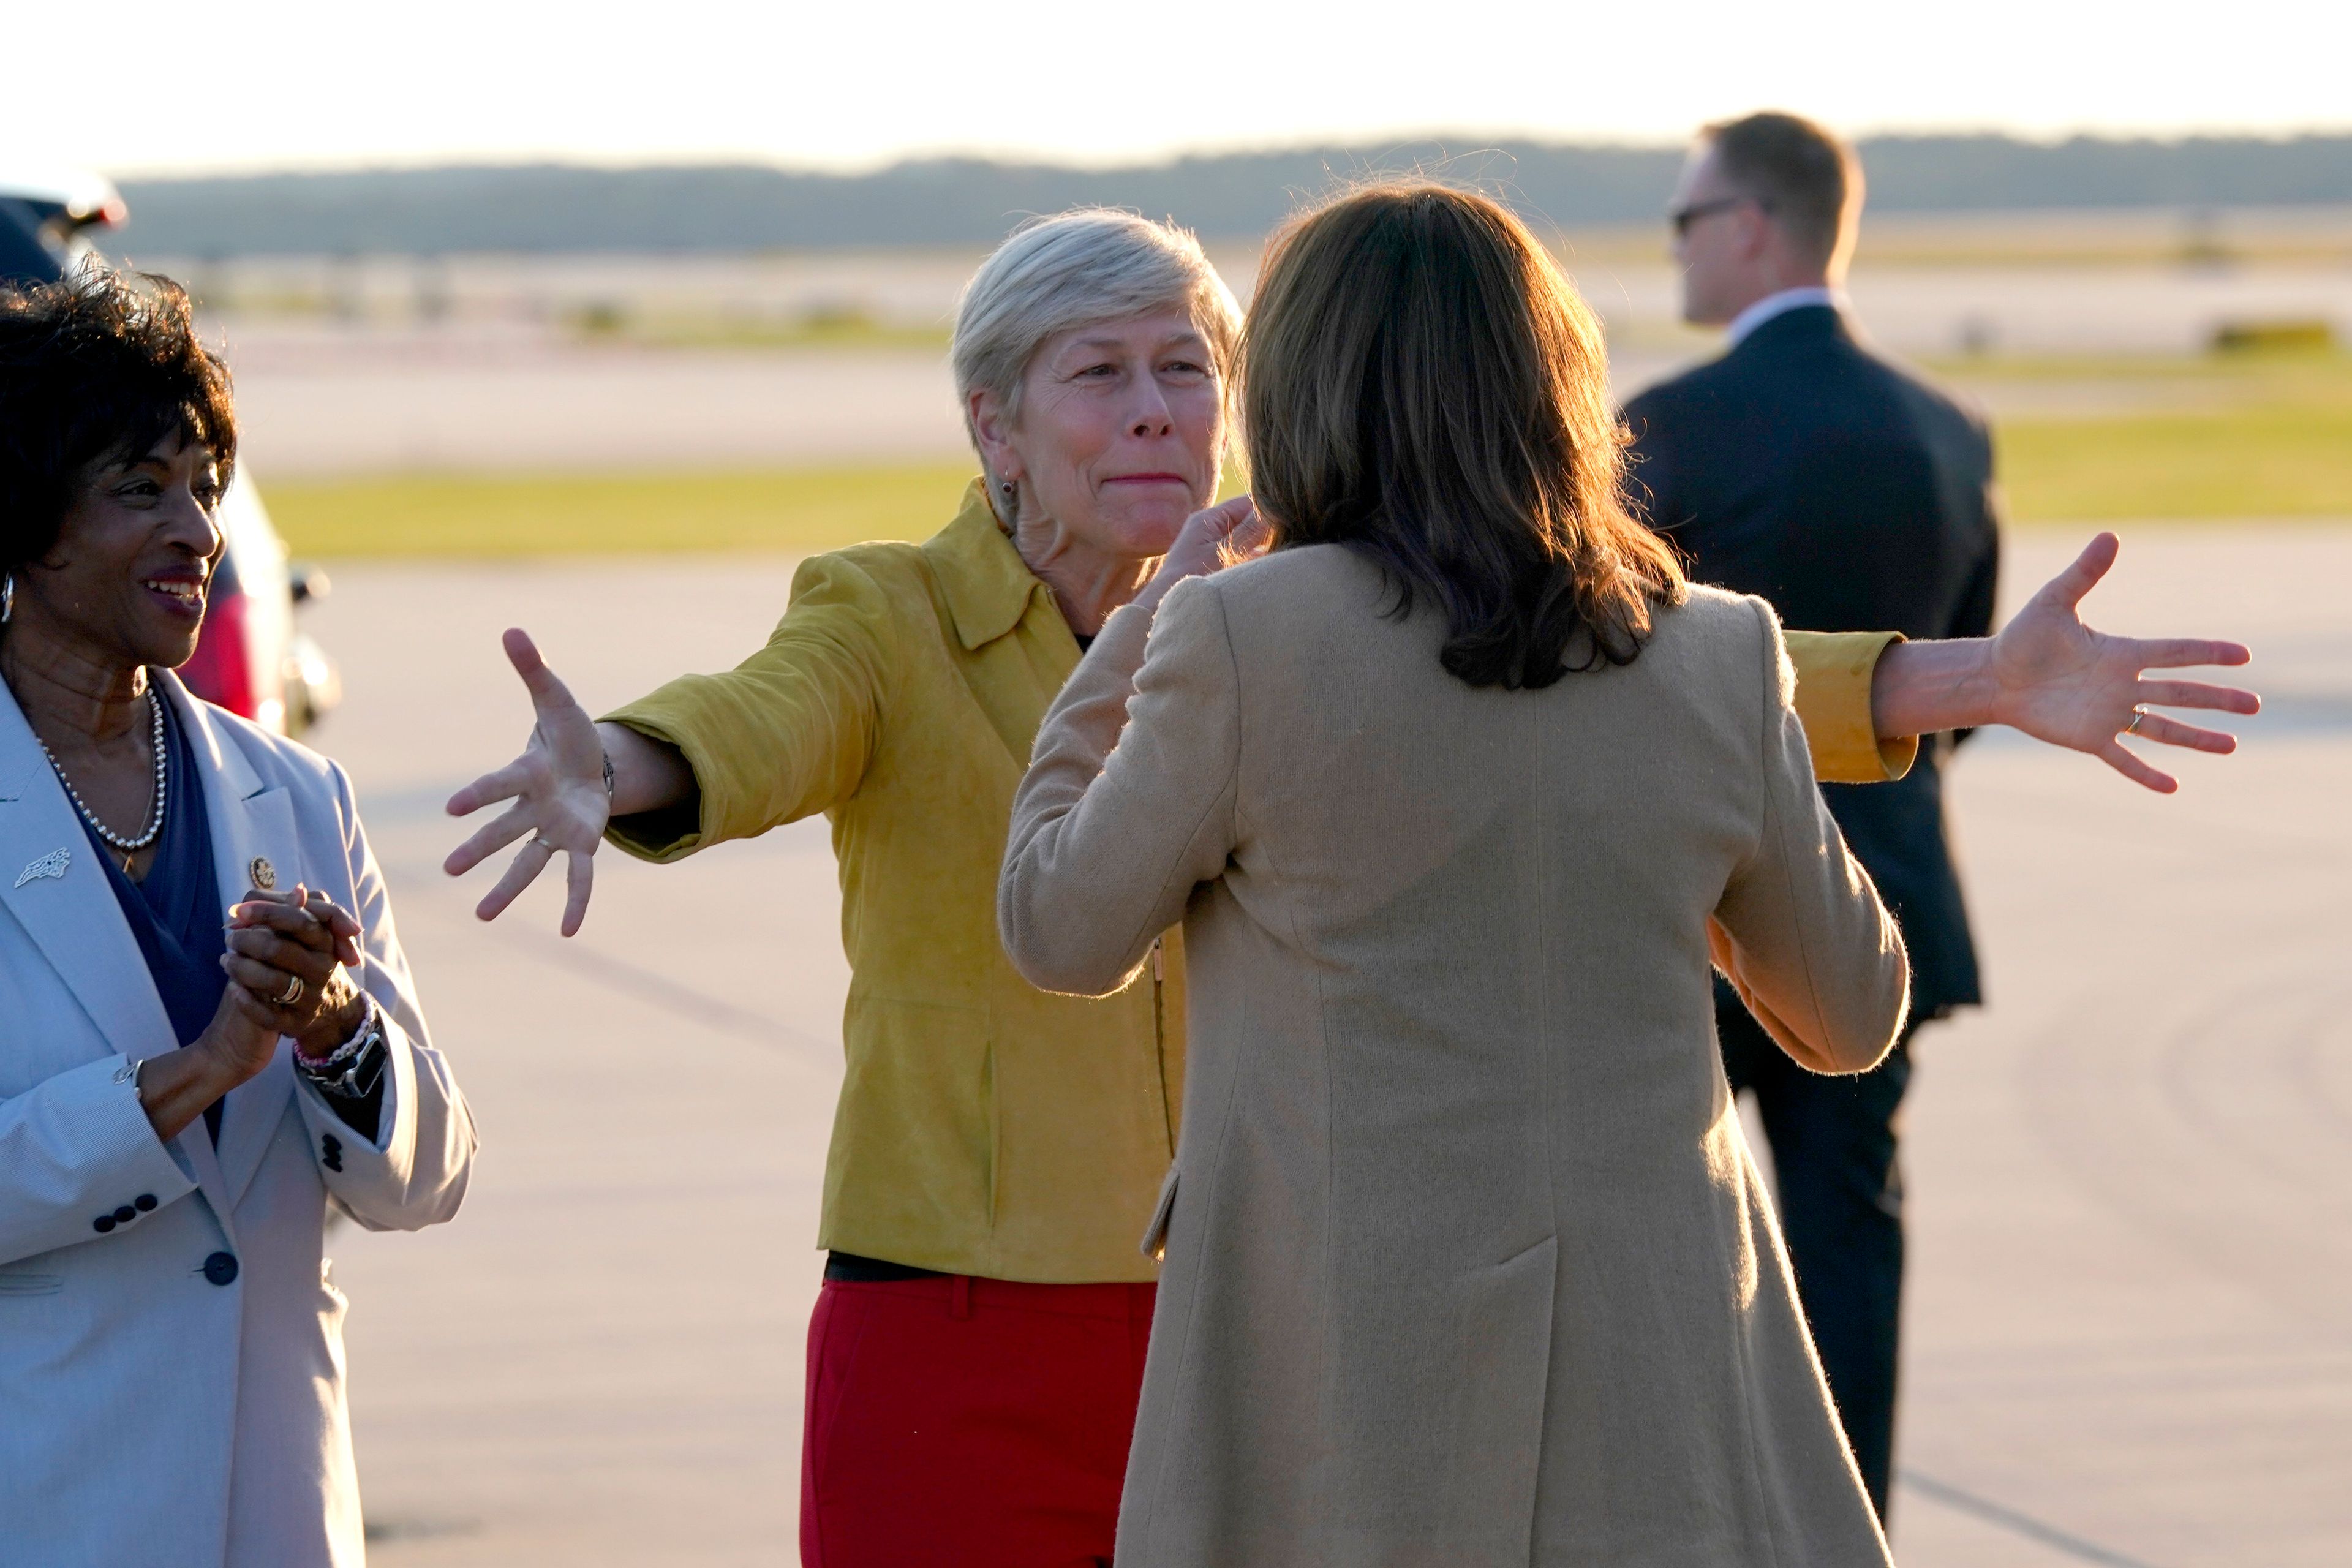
[[1467, 1262]]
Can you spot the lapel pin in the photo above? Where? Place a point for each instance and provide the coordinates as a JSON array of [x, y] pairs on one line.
[[263, 874], [52, 864]]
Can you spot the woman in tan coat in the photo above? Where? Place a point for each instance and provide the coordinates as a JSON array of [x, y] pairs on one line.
[[1457, 793]]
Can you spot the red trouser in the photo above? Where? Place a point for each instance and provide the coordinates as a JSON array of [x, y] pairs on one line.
[[968, 1421]]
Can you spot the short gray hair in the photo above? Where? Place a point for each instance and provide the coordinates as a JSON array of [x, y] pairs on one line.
[[1077, 268]]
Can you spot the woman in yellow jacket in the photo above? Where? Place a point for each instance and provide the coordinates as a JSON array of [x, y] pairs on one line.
[[976, 1353]]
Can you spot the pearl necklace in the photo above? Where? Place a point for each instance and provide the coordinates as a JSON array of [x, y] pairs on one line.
[[129, 847]]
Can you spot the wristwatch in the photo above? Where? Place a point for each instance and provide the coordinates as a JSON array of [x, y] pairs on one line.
[[356, 1067]]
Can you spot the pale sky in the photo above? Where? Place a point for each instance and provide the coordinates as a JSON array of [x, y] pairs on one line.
[[138, 86]]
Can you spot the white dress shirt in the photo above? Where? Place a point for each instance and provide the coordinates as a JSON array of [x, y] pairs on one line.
[[1780, 304]]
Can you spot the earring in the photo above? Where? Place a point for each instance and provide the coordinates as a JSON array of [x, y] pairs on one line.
[[1009, 488]]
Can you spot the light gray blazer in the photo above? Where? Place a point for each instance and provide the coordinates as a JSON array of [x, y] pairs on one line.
[[1467, 1262], [149, 1415]]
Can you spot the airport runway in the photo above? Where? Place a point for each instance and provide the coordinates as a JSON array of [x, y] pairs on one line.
[[2130, 1337]]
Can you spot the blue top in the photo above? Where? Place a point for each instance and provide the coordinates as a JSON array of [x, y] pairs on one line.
[[176, 913]]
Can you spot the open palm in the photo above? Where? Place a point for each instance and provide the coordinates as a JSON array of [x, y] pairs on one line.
[[2061, 682], [559, 794]]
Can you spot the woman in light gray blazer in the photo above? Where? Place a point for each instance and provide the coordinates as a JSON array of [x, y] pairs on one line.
[[1458, 792], [207, 1031]]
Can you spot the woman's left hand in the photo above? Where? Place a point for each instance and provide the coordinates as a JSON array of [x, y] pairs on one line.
[[1224, 535], [2061, 682], [275, 937]]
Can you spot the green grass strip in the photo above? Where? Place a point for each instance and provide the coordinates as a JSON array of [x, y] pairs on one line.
[[2269, 462], [2233, 463]]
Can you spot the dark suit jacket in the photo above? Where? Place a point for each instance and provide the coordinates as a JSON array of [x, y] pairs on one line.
[[1803, 467]]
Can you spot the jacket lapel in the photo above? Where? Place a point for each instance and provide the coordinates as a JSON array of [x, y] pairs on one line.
[[73, 919], [51, 881], [986, 584], [989, 591], [251, 821]]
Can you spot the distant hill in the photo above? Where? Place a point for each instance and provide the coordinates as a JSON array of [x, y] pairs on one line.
[[559, 207]]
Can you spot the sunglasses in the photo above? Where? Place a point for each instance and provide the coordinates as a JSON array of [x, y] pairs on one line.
[[1681, 218]]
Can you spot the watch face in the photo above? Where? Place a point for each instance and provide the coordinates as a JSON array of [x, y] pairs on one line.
[[363, 1053]]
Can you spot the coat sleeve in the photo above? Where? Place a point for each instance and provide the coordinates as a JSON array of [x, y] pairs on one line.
[[1834, 670], [74, 1148], [414, 1172], [1129, 803], [1799, 929], [787, 732]]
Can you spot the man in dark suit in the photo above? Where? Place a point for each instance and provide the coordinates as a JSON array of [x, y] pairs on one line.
[[1804, 467]]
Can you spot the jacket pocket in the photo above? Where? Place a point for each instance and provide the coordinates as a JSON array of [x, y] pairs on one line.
[[16, 1284], [1155, 1235]]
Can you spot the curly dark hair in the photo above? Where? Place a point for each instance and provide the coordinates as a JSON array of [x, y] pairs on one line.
[[94, 369]]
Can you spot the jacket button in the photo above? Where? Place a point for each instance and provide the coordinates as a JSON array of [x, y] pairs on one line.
[[102, 1223], [144, 1202], [125, 1214], [221, 1267]]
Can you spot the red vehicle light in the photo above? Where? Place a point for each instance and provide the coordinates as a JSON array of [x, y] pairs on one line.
[[221, 669]]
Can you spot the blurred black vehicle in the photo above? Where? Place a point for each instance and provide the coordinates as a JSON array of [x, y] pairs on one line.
[[249, 659]]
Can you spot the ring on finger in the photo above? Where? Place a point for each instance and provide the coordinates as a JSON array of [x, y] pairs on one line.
[[2137, 715], [292, 994], [541, 841]]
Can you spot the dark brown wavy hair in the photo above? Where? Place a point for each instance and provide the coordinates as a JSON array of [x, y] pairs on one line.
[[1421, 386], [95, 369]]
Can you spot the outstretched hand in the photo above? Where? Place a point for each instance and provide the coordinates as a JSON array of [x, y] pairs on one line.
[[2063, 682], [557, 785]]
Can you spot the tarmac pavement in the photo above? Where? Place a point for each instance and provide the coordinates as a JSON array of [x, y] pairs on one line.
[[2130, 1331]]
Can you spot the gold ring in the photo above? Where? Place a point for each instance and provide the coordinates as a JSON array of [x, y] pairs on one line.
[[2133, 728], [292, 994]]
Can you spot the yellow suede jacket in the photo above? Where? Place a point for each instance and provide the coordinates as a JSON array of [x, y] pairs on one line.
[[985, 1126]]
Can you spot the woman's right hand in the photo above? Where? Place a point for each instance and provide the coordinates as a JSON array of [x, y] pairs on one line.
[[241, 1040], [242, 1037], [1220, 536], [559, 794]]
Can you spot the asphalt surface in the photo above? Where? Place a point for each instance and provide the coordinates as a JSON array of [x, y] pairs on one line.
[[2129, 1340]]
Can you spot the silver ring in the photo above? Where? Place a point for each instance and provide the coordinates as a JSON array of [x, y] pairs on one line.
[[2133, 728], [541, 841], [292, 994]]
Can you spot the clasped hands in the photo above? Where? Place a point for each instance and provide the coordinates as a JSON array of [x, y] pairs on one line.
[[288, 962], [289, 958]]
